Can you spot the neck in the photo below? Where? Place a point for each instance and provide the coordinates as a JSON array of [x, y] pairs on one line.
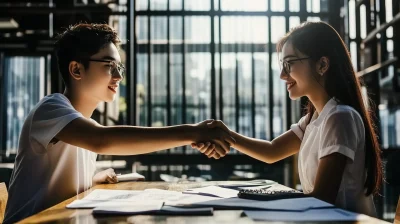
[[81, 103], [319, 100]]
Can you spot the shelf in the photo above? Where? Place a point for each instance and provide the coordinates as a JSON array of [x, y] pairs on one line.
[[381, 28], [377, 67]]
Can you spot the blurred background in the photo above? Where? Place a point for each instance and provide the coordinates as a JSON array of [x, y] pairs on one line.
[[190, 60]]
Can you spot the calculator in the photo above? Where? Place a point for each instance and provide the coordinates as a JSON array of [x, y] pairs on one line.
[[267, 195]]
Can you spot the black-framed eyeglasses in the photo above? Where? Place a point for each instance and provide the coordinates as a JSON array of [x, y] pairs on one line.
[[285, 64], [114, 67]]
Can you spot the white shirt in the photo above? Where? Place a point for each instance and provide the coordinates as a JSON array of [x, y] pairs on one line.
[[340, 129], [47, 173]]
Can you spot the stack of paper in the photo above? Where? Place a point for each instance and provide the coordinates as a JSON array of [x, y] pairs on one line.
[[140, 202]]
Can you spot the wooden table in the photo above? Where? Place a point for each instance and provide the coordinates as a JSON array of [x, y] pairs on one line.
[[60, 214]]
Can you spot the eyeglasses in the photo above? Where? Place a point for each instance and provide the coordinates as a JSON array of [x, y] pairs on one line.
[[114, 67], [285, 65]]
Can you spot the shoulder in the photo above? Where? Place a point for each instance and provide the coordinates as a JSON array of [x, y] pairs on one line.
[[344, 115], [54, 105]]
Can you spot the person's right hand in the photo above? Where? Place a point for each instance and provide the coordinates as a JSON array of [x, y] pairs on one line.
[[211, 149], [220, 138]]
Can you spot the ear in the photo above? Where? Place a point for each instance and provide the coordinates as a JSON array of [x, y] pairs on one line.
[[74, 69], [322, 65]]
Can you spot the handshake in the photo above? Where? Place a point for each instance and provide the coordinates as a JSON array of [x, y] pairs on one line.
[[214, 139]]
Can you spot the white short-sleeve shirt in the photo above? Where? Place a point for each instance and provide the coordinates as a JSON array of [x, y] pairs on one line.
[[338, 128], [46, 172]]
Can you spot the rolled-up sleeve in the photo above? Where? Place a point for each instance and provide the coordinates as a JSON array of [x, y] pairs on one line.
[[300, 127]]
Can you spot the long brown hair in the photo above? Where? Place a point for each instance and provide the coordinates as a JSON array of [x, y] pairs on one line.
[[319, 39]]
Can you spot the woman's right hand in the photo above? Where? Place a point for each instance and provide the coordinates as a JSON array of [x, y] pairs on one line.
[[216, 150]]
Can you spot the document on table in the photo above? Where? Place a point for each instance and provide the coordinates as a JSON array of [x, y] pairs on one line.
[[140, 208], [150, 208], [295, 204], [188, 199], [315, 215], [213, 191], [100, 197]]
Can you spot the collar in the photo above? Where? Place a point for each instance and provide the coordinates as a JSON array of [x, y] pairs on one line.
[[318, 118]]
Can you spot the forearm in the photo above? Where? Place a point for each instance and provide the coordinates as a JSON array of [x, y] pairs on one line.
[[130, 140], [256, 148], [281, 147]]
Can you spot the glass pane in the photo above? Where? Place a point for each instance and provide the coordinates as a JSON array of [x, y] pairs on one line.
[[24, 87], [245, 90], [141, 5], [176, 91], [158, 34], [313, 18], [389, 32], [244, 29], [353, 52], [277, 28], [216, 29], [196, 5], [278, 6], [313, 6], [159, 90], [240, 5], [216, 4], [389, 46], [261, 95], [352, 19], [158, 4], [158, 29], [279, 108], [294, 21], [176, 88], [217, 82], [389, 10], [175, 29], [228, 95], [197, 29], [141, 29], [175, 5], [142, 86], [294, 5], [363, 21]]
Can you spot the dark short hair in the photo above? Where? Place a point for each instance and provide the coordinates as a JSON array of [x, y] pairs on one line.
[[79, 42]]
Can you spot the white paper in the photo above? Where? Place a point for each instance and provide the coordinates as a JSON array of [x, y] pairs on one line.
[[97, 203], [108, 195], [130, 177], [99, 197], [213, 191], [328, 214], [188, 199], [295, 204], [144, 207]]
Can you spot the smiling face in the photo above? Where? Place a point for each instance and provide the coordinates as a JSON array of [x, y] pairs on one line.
[[300, 81], [99, 81]]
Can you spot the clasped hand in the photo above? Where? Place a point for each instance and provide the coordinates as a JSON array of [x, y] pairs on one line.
[[215, 140]]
